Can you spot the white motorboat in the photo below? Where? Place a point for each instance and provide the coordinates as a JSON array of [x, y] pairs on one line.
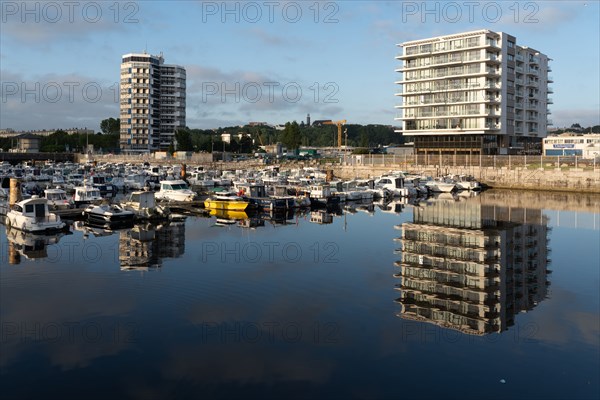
[[464, 182], [108, 213], [175, 190], [440, 186], [87, 195], [394, 184], [201, 179], [57, 199], [32, 215], [143, 205]]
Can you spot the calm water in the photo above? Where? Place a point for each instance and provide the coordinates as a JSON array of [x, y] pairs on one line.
[[495, 296]]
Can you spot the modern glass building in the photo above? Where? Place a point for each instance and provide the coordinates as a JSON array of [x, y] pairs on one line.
[[152, 102], [474, 92]]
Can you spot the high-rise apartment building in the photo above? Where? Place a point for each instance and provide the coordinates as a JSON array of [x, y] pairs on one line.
[[475, 92], [152, 97]]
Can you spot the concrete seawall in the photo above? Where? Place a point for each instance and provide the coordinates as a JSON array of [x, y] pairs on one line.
[[571, 180]]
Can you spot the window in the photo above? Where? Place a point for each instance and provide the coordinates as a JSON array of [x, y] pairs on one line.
[[29, 208]]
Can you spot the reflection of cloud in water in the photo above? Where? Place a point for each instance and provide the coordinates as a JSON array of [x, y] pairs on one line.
[[246, 363], [562, 325], [45, 310]]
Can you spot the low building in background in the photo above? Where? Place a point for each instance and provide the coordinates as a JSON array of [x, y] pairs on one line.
[[572, 144]]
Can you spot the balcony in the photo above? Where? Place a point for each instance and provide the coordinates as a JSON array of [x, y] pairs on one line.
[[549, 100], [532, 83], [550, 79], [550, 89], [492, 58], [549, 122], [492, 126], [491, 43]]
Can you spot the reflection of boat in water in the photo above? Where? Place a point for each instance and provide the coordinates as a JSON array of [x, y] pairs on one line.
[[228, 214], [394, 206], [145, 245], [443, 196], [321, 217], [29, 245], [94, 230]]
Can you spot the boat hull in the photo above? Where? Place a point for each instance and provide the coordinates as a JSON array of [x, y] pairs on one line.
[[232, 205]]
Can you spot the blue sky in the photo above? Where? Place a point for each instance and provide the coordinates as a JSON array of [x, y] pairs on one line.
[[272, 61]]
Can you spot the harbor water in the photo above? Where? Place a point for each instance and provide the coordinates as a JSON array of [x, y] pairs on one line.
[[487, 296]]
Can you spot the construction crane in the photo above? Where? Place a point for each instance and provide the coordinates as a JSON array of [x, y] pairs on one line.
[[339, 127]]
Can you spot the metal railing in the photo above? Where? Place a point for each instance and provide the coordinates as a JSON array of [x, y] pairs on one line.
[[532, 162]]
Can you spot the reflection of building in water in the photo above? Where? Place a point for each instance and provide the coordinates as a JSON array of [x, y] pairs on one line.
[[321, 217], [472, 267], [28, 245], [144, 246]]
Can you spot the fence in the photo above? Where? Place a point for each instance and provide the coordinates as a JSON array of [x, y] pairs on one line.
[[497, 161]]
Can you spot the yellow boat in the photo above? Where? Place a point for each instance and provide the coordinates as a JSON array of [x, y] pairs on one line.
[[231, 203]]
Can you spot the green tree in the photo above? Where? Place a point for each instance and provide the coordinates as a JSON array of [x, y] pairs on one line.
[[291, 137], [184, 140], [246, 145], [110, 126]]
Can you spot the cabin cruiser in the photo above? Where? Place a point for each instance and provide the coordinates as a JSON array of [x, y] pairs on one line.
[[57, 199], [87, 195], [394, 184], [439, 185], [464, 182], [99, 182], [32, 215], [143, 205], [108, 213], [175, 190], [321, 196], [256, 194]]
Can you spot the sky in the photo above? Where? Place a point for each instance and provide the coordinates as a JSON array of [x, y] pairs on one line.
[[271, 61]]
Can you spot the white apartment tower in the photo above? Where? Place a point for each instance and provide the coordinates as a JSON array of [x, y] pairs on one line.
[[152, 97], [473, 93]]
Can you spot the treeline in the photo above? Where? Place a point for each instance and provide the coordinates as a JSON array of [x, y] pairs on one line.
[[60, 141], [293, 136], [577, 128], [245, 139]]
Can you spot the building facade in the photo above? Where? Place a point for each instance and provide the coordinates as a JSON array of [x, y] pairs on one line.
[[152, 103], [475, 92], [572, 144]]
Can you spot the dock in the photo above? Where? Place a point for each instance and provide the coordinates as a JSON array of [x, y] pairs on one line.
[[195, 207]]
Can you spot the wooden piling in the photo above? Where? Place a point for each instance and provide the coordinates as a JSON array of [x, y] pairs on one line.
[[15, 191]]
